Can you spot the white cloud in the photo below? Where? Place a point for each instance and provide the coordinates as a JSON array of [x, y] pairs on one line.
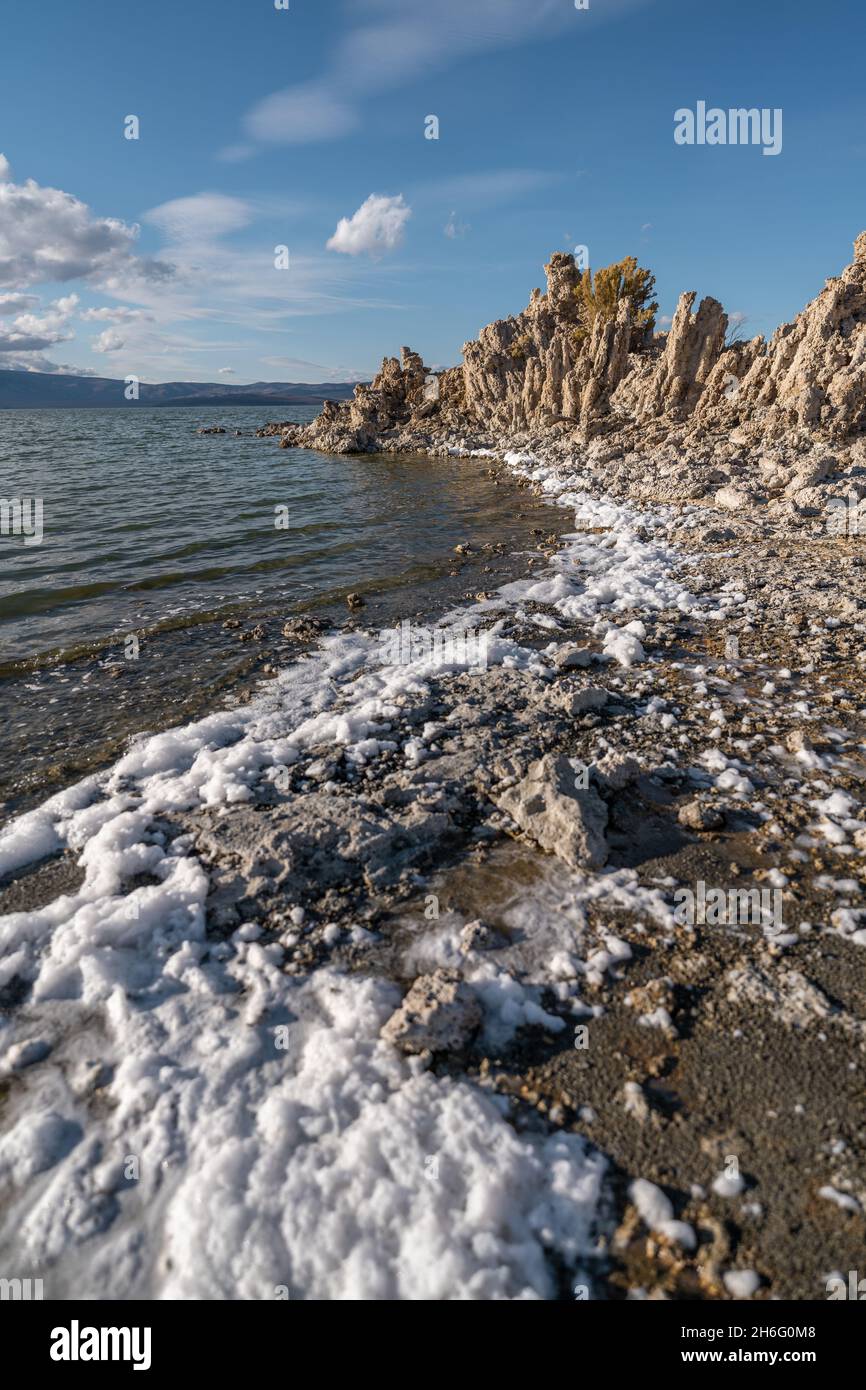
[[113, 313], [35, 362], [12, 340], [48, 235], [5, 169], [34, 332], [109, 341], [17, 303], [378, 226], [226, 371], [207, 297]]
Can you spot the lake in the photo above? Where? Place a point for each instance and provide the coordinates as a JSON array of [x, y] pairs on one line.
[[164, 543]]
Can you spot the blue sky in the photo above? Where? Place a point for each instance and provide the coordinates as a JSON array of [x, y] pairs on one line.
[[262, 127]]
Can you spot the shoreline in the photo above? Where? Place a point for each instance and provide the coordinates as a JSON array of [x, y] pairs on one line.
[[412, 784], [79, 707]]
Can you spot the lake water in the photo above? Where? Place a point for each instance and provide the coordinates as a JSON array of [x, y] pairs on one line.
[[156, 532]]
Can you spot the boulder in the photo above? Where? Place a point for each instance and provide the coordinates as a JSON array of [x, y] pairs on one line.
[[555, 813], [439, 1014], [701, 815], [617, 770]]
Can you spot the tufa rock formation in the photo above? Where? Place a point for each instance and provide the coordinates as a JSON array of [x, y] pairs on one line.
[[537, 373]]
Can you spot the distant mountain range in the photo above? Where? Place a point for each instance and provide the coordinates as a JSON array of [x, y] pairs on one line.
[[43, 390]]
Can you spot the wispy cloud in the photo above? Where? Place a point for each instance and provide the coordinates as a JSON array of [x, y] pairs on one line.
[[201, 217], [485, 188], [299, 115], [226, 278], [216, 277], [454, 228], [391, 44], [299, 364]]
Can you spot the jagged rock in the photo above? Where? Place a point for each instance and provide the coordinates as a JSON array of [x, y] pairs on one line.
[[314, 843], [691, 351], [538, 372], [274, 427], [813, 373], [733, 499], [701, 815], [304, 628], [809, 472], [569, 656], [439, 1014], [608, 361], [617, 770], [578, 701], [715, 535], [564, 819]]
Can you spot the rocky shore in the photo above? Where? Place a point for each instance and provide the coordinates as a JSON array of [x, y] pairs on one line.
[[778, 425], [728, 751], [527, 969], [679, 700]]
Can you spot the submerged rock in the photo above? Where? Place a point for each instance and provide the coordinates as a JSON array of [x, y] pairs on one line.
[[304, 628]]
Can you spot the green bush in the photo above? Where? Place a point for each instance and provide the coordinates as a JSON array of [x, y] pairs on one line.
[[601, 294], [520, 347]]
